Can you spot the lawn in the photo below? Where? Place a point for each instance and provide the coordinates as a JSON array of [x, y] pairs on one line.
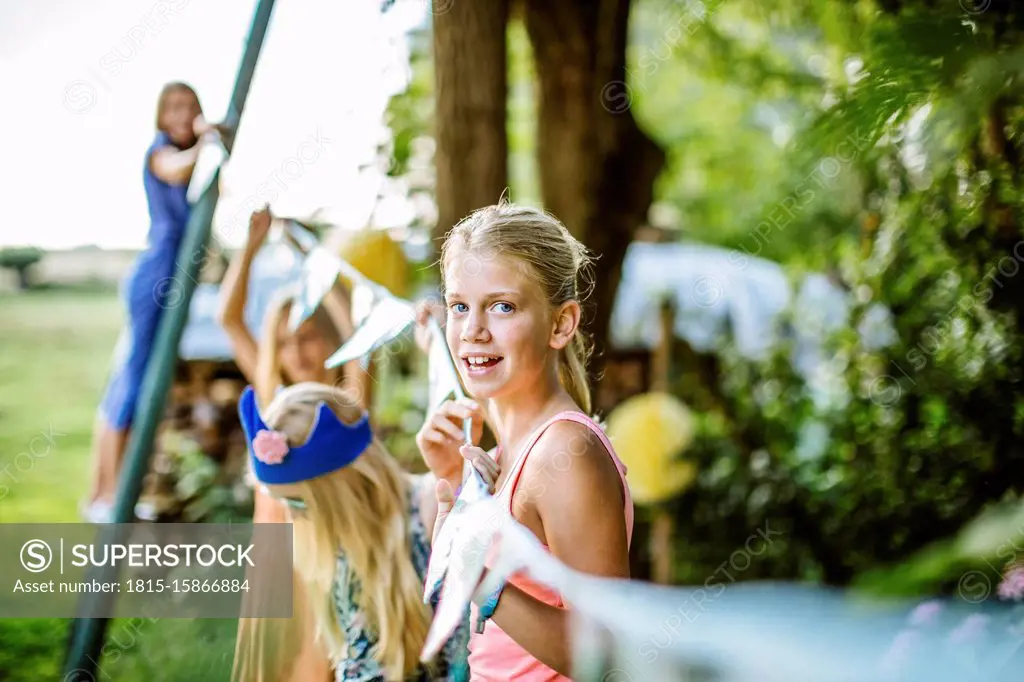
[[56, 351]]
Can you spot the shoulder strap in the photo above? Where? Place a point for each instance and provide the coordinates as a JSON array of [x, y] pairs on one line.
[[516, 469], [575, 416]]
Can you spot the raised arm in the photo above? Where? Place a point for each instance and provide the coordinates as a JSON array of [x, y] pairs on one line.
[[174, 166], [234, 292], [358, 379], [580, 510]]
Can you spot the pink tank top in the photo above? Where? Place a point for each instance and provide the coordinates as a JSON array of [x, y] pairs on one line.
[[493, 655]]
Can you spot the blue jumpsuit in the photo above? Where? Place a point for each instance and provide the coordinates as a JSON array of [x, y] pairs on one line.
[[152, 286]]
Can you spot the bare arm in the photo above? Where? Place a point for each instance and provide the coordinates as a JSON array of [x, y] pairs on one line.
[[359, 381], [175, 166], [580, 510], [338, 305], [234, 292]]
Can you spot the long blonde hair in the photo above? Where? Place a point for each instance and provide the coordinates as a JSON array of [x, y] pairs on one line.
[[559, 262], [268, 363], [362, 510]]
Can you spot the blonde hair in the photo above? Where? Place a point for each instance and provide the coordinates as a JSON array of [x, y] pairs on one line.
[[266, 649], [362, 510], [268, 363], [558, 261]]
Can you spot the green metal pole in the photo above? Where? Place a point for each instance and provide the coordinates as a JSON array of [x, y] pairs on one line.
[[88, 633]]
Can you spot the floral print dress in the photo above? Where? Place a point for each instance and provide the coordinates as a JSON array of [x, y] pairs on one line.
[[359, 665]]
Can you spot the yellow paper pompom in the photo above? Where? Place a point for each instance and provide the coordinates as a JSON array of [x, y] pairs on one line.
[[649, 433], [379, 257]]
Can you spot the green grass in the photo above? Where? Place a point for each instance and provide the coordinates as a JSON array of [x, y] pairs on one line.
[[55, 353]]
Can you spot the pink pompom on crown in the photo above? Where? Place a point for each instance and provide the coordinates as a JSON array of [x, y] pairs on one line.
[[270, 447]]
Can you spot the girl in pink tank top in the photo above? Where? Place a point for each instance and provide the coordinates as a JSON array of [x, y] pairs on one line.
[[511, 279]]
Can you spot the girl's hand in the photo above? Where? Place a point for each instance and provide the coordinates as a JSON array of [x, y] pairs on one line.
[[483, 463], [426, 309], [200, 127], [445, 502], [259, 226], [204, 130], [441, 438], [226, 132]]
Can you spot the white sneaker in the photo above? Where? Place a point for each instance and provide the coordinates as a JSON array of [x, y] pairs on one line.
[[98, 512], [145, 511]]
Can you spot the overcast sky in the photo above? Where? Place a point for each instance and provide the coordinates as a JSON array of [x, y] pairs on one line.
[[81, 81]]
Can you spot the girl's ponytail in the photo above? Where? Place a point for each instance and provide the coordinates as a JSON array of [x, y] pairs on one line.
[[572, 371]]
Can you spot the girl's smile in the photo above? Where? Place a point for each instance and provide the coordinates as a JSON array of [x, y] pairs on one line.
[[479, 364]]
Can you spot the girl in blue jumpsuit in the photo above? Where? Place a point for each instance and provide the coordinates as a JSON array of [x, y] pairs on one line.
[[154, 283]]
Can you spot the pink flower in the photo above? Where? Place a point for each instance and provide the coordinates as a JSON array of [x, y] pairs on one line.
[[270, 447], [1012, 586], [925, 613], [972, 626]]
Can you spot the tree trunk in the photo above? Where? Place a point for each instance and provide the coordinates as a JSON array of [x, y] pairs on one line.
[[597, 168], [470, 109], [25, 277]]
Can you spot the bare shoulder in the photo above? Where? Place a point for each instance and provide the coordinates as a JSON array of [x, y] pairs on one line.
[[573, 455], [579, 499]]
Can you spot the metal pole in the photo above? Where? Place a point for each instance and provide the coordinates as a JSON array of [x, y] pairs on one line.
[[88, 633]]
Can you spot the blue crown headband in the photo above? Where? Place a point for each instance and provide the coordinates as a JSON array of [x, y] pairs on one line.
[[331, 445]]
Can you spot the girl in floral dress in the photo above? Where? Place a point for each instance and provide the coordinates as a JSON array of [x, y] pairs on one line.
[[361, 542]]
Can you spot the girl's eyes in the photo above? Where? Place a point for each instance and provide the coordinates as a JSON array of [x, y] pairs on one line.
[[501, 307]]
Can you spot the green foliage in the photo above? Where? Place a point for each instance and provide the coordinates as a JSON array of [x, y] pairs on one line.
[[923, 218], [410, 114], [138, 649], [400, 399], [524, 177], [30, 649], [203, 489], [134, 649], [978, 556], [877, 142], [723, 90], [21, 260], [20, 257]]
